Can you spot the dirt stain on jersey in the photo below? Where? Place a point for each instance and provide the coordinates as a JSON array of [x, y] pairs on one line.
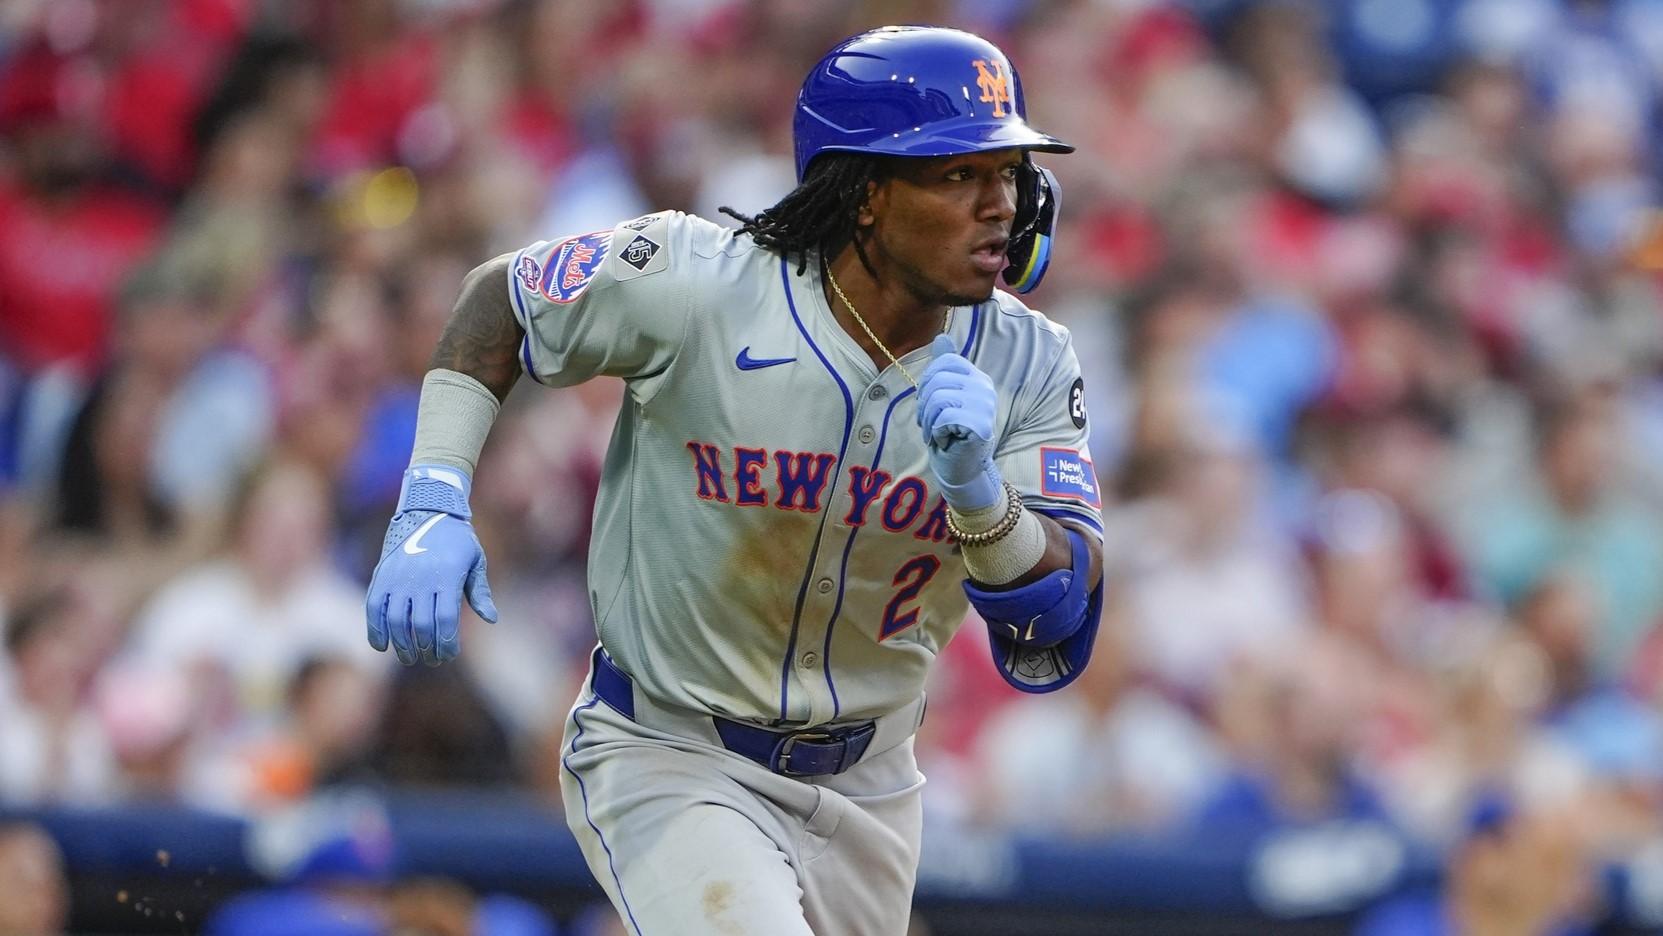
[[764, 571], [718, 900]]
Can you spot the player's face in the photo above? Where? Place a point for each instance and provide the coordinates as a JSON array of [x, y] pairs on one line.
[[941, 225]]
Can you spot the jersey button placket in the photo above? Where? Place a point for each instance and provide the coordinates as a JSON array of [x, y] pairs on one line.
[[875, 393]]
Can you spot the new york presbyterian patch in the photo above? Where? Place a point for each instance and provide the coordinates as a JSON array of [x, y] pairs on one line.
[[1068, 474], [572, 265]]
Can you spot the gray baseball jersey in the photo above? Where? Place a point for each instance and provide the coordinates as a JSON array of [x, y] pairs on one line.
[[769, 544]]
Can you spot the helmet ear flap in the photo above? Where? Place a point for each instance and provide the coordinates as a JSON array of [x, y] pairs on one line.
[[1038, 204]]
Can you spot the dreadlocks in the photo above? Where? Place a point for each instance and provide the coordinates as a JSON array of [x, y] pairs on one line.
[[820, 213]]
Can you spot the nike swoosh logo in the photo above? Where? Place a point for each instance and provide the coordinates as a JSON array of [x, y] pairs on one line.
[[413, 546], [746, 362]]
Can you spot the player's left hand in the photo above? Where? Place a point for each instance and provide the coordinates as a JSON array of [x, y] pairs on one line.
[[957, 404]]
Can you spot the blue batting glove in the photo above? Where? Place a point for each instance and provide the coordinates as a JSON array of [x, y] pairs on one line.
[[956, 407], [430, 559]]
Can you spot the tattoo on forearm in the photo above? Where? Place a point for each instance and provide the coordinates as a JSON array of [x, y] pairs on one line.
[[482, 338]]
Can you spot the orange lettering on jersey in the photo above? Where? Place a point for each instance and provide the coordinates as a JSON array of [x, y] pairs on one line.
[[802, 476], [575, 274], [802, 479], [747, 473], [990, 78], [707, 465], [865, 486], [934, 528]]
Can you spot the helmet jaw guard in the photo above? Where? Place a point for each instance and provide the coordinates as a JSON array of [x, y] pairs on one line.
[[1038, 204], [923, 91]]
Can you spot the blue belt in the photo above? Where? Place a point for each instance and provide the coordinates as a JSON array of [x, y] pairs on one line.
[[812, 752]]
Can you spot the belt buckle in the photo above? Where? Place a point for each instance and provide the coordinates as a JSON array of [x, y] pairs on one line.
[[782, 754]]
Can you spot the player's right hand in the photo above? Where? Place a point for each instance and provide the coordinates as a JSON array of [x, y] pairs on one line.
[[429, 561]]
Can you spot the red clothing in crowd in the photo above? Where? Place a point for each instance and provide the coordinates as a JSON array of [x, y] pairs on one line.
[[61, 265]]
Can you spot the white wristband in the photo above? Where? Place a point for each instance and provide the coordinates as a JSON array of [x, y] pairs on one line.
[[453, 419], [1012, 556]]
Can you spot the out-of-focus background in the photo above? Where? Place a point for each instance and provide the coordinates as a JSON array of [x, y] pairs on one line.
[[1369, 296]]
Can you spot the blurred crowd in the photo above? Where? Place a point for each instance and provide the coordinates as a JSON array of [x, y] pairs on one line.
[[1368, 293]]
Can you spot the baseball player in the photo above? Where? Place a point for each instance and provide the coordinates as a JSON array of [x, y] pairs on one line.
[[838, 437]]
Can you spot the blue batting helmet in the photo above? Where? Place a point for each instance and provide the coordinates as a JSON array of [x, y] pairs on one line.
[[913, 91], [932, 91]]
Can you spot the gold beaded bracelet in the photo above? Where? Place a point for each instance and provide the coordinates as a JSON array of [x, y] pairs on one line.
[[997, 532]]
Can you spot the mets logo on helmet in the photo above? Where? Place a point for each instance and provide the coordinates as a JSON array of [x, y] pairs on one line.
[[990, 78]]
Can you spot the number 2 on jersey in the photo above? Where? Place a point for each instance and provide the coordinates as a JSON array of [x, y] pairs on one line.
[[912, 576]]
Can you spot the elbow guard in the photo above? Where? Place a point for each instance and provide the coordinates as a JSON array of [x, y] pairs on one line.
[[1042, 633]]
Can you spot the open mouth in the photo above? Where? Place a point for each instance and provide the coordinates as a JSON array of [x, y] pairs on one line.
[[990, 255]]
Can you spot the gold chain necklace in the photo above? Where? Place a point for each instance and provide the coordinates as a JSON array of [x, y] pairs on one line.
[[946, 323]]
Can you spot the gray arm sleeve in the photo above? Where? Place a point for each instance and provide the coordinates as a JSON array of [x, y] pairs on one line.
[[455, 415]]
